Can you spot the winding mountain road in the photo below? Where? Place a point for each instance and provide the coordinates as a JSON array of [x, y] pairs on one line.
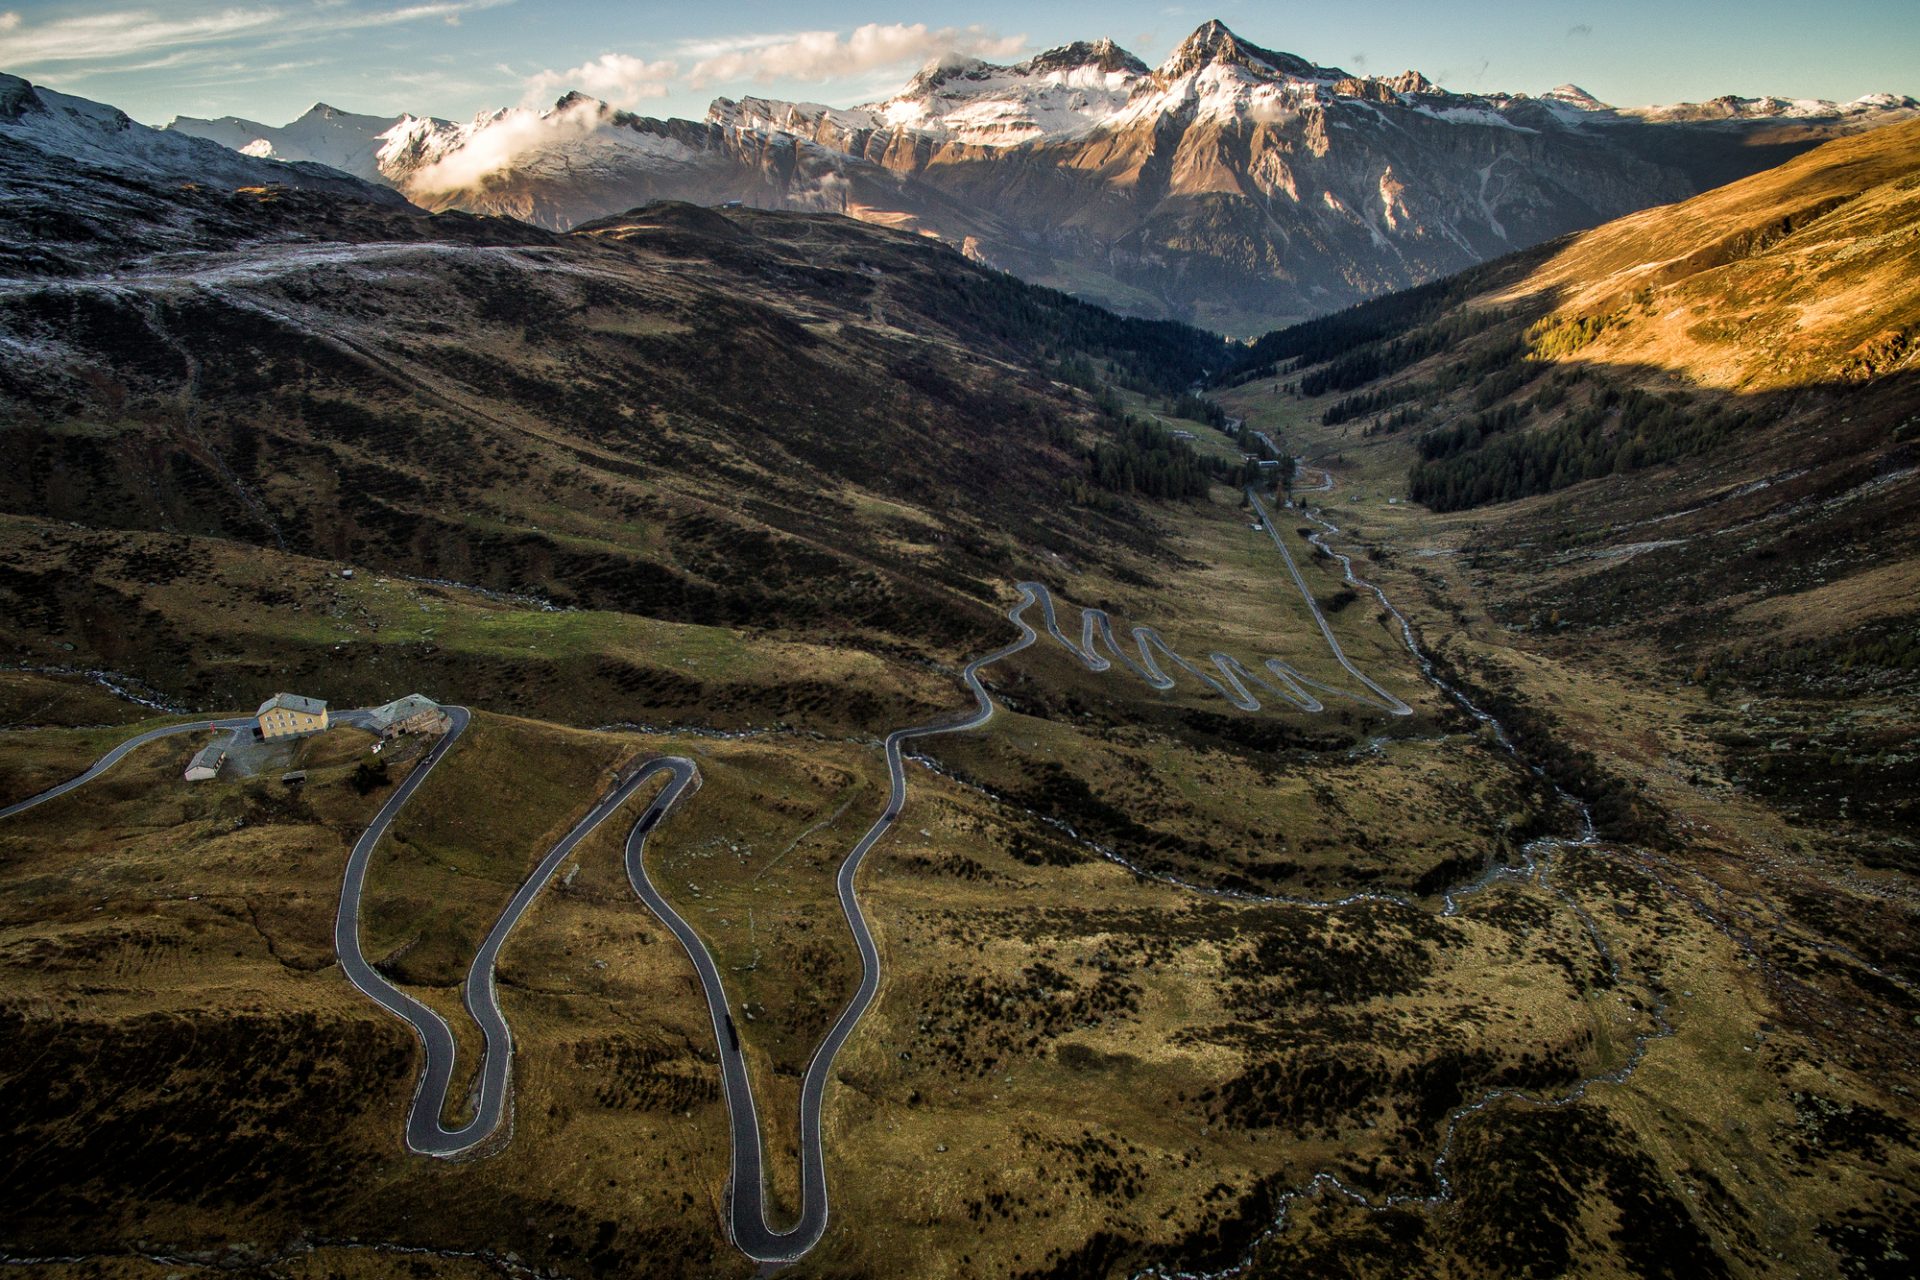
[[1293, 684], [426, 1131], [747, 1221], [120, 753]]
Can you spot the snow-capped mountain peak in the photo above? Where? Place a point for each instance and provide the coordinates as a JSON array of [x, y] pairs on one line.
[[943, 71], [1735, 110], [1882, 102], [343, 140], [103, 137], [1061, 93], [1573, 95], [1411, 83], [1215, 44], [43, 113], [1228, 174], [1101, 55]]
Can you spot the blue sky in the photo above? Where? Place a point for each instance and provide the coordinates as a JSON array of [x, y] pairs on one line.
[[271, 59]]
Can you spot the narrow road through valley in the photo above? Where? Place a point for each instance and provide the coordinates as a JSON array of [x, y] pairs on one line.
[[747, 1220], [1293, 685]]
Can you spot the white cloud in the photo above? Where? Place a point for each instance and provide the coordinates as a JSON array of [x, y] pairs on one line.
[[495, 148], [620, 78], [827, 55], [127, 32], [108, 35]]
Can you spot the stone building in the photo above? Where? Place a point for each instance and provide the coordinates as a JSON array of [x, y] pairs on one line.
[[206, 763], [415, 713]]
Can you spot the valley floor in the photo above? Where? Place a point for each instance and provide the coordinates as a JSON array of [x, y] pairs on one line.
[[1168, 987]]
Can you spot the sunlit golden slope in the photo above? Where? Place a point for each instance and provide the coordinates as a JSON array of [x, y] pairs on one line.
[[1806, 273]]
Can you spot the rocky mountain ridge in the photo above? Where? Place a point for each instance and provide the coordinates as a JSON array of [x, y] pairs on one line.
[[41, 122], [1232, 186]]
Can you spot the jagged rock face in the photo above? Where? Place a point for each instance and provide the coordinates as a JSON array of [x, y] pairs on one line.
[[1223, 215], [1234, 186], [567, 172], [1213, 45]]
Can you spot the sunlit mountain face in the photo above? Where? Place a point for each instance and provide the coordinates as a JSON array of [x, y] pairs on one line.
[[588, 696], [1232, 186]]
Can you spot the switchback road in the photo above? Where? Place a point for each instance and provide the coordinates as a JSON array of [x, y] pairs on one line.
[[426, 1131]]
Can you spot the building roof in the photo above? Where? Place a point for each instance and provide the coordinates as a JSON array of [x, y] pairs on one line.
[[208, 757], [293, 702], [402, 709]]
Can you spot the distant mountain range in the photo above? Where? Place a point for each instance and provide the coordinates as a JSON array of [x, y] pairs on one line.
[[1232, 186], [830, 424], [39, 122]]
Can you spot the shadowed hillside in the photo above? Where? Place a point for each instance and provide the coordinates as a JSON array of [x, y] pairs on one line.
[[1728, 390], [1554, 916], [734, 418], [1665, 525]]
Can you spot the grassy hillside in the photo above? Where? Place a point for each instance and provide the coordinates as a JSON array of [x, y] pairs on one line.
[[1650, 495], [1151, 967], [744, 420], [1729, 393], [1668, 334]]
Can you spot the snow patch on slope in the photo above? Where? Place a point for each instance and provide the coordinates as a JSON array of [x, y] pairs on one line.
[[325, 135], [106, 137]]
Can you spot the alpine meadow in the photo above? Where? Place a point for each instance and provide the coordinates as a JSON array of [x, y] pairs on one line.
[[992, 659]]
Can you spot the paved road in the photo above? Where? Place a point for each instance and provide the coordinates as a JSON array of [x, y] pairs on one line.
[[119, 753], [746, 1212], [746, 1215], [1387, 701], [425, 1132], [1292, 684]]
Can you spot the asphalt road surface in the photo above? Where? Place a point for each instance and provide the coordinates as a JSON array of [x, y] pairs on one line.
[[426, 1132], [120, 753], [746, 1214], [1387, 702], [1292, 684], [746, 1203]]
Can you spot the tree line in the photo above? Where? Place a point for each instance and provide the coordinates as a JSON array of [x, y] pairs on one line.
[[1160, 357], [1484, 459], [1371, 323]]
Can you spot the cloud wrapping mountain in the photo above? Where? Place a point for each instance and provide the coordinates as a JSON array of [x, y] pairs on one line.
[[825, 55]]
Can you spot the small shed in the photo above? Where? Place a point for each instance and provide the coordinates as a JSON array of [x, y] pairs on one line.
[[206, 763], [415, 713]]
